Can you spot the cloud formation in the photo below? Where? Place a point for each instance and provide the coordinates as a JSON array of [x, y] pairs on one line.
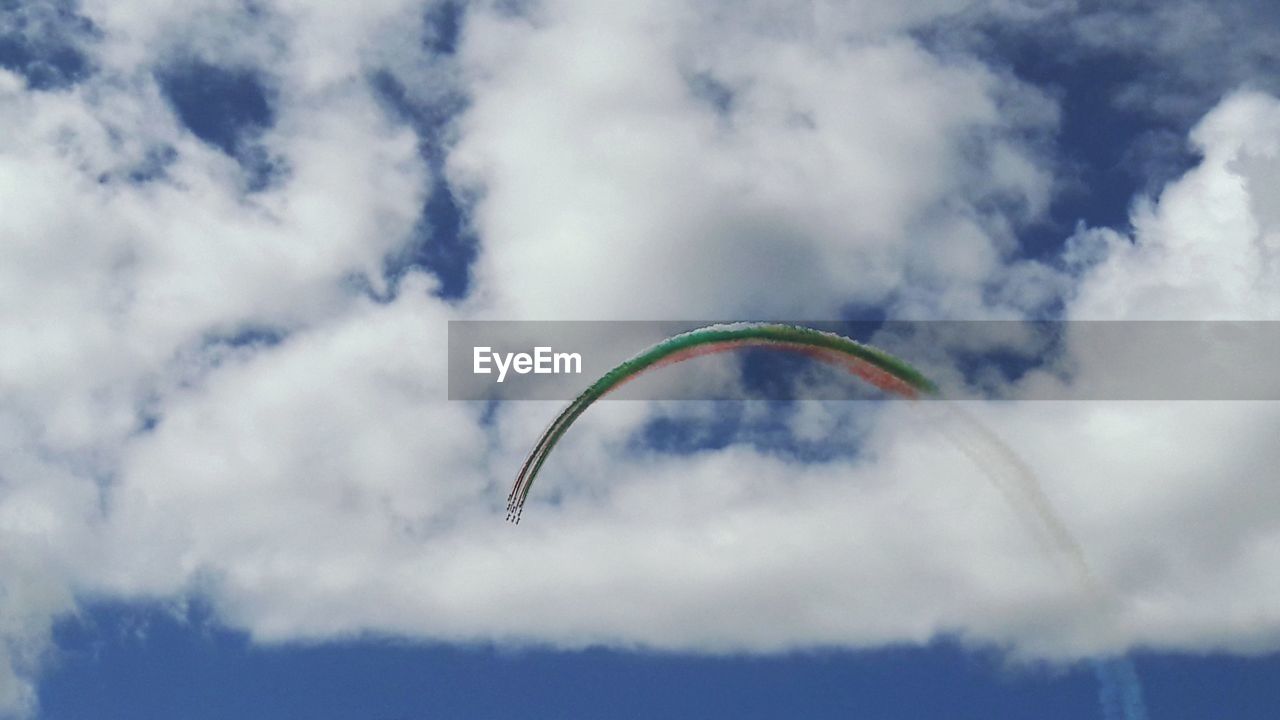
[[628, 161], [209, 386]]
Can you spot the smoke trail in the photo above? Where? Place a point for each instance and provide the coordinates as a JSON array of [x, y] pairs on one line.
[[1020, 488], [1120, 693], [1119, 690], [871, 364]]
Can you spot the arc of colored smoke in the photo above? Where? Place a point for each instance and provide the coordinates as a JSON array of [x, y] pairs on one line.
[[871, 364], [1120, 691]]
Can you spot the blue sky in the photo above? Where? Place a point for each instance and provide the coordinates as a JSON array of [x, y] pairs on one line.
[[230, 485], [143, 662]]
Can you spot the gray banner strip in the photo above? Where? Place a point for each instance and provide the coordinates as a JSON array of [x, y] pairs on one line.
[[969, 360]]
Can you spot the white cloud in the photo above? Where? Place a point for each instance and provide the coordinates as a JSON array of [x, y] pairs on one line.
[[842, 170], [267, 448], [1173, 496], [111, 290], [322, 486], [1209, 248]]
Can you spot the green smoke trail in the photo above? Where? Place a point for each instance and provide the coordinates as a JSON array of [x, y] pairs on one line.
[[876, 366]]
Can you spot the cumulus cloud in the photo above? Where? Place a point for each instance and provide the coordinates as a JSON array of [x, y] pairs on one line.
[[134, 264], [1192, 515], [633, 168], [1208, 248], [209, 387]]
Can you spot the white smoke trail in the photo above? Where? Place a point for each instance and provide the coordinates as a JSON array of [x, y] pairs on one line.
[[1120, 690]]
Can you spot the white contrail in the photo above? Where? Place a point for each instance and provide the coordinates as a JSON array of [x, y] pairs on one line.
[[1120, 690]]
